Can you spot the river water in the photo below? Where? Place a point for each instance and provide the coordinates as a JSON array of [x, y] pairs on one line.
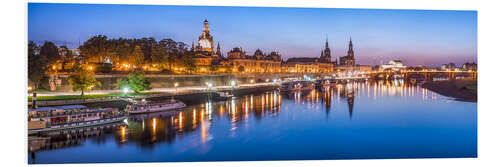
[[359, 120]]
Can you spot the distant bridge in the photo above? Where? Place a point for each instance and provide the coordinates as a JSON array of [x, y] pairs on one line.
[[427, 75]]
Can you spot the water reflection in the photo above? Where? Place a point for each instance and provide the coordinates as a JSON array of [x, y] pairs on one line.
[[197, 123], [74, 138], [170, 126]]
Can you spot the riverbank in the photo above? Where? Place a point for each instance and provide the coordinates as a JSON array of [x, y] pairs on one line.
[[462, 90], [86, 96], [187, 94]]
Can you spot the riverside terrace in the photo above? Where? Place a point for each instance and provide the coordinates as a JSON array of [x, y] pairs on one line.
[[177, 89], [59, 82]]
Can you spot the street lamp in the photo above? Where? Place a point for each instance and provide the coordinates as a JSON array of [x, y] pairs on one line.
[[209, 85], [275, 80], [233, 83], [125, 91], [175, 85]]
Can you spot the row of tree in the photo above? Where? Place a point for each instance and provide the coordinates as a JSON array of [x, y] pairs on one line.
[[41, 58], [165, 53]]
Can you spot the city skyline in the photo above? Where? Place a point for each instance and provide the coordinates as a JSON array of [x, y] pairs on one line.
[[417, 37]]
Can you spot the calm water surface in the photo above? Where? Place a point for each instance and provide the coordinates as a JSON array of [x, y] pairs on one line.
[[347, 121]]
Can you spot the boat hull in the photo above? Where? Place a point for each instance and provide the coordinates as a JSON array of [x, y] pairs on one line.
[[150, 110], [78, 125]]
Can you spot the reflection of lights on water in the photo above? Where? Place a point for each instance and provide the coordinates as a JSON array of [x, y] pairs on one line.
[[180, 121], [251, 102], [194, 116], [123, 133], [154, 125], [233, 106], [221, 110], [142, 125]]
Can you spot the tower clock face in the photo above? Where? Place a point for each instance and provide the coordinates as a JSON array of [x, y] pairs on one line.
[[205, 43]]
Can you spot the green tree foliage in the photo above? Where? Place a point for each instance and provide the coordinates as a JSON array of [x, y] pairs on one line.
[[37, 65], [123, 83], [136, 81], [82, 80]]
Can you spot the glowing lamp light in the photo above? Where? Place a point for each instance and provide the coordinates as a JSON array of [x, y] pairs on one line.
[[209, 84], [176, 84], [125, 90], [233, 83]]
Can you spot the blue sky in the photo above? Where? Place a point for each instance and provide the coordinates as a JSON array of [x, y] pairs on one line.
[[418, 37]]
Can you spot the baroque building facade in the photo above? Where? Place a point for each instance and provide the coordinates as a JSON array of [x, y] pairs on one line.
[[209, 59], [256, 63], [323, 64], [204, 55]]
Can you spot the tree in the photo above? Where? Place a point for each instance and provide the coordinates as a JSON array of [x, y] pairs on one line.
[[50, 51], [158, 54], [96, 49], [122, 83], [37, 65], [137, 57], [136, 81], [82, 80], [188, 62], [123, 50], [172, 53], [67, 56]]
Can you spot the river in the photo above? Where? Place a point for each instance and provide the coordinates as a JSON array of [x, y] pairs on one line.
[[357, 120]]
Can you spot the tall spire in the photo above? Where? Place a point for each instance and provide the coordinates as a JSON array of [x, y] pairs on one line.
[[350, 44], [218, 50], [326, 44]]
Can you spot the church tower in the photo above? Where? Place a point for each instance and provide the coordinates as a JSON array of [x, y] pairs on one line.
[[350, 54], [326, 54], [205, 41], [218, 53]]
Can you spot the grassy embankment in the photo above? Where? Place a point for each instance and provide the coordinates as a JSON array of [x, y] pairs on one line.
[[69, 97]]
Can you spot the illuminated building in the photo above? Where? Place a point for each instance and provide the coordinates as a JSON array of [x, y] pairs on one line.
[[258, 63], [323, 64], [348, 60], [394, 65]]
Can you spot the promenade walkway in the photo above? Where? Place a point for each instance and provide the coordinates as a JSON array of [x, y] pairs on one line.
[[160, 90]]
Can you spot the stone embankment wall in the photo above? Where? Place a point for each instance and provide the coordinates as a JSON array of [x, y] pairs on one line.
[[108, 81]]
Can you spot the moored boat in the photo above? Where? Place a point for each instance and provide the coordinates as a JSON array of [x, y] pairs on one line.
[[46, 119], [297, 86], [148, 107]]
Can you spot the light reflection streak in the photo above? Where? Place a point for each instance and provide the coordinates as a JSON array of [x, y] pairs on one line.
[[242, 110]]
